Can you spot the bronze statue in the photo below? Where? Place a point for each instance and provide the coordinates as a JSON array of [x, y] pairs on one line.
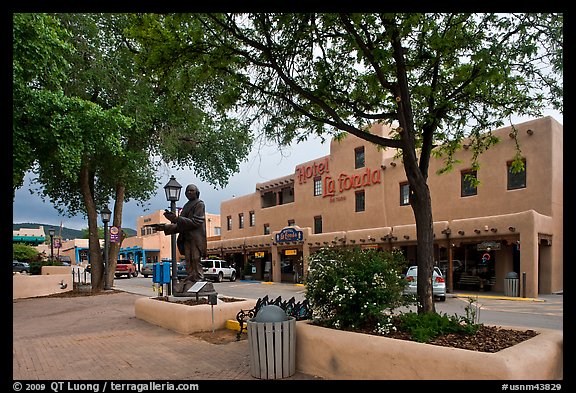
[[191, 228]]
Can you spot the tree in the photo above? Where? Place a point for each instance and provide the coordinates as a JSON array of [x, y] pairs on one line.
[[436, 77], [96, 132], [24, 252]]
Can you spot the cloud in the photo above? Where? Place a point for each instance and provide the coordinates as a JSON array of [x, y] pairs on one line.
[[266, 162]]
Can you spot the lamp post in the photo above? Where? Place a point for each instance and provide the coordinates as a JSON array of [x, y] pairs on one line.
[[105, 214], [51, 233], [172, 189]]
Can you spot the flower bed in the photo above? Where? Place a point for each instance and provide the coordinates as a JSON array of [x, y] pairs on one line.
[[338, 354]]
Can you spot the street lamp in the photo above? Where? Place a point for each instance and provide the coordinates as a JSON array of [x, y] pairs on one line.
[[172, 189], [51, 233], [105, 214]]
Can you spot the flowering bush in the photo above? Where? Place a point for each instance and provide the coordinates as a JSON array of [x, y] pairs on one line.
[[353, 289]]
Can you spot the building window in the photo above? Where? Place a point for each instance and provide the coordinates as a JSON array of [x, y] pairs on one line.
[[359, 161], [252, 219], [266, 229], [404, 194], [240, 220], [317, 186], [468, 183], [360, 201], [318, 224], [268, 199], [217, 231], [229, 223], [286, 195], [516, 175], [291, 223]]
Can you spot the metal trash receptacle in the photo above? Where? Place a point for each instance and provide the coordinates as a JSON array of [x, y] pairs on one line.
[[512, 285], [272, 343]]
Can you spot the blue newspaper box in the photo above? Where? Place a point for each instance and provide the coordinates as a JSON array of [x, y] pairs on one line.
[[161, 273]]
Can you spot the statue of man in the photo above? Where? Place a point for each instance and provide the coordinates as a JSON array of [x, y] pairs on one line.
[[191, 228]]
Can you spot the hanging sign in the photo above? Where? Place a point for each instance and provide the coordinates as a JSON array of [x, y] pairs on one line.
[[289, 235], [487, 246], [291, 252], [259, 254], [114, 234]]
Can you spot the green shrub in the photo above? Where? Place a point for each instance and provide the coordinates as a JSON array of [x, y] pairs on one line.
[[36, 266], [359, 290], [426, 326], [24, 252], [352, 288]]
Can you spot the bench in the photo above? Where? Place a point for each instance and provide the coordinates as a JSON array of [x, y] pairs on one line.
[[476, 281], [471, 281], [299, 311]]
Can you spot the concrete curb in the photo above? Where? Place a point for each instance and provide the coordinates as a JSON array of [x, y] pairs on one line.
[[474, 295]]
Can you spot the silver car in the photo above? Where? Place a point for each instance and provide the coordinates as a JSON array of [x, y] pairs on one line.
[[438, 283], [20, 267]]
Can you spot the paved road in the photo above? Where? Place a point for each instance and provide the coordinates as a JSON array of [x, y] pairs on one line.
[[492, 308]]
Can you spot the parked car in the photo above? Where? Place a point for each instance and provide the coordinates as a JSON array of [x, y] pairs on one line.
[[438, 283], [181, 270], [457, 266], [147, 270], [20, 267], [125, 267], [218, 269]]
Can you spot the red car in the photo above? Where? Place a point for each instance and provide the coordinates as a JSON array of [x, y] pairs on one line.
[[125, 267]]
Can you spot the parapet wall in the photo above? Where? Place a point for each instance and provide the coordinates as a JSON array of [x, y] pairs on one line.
[[54, 279]]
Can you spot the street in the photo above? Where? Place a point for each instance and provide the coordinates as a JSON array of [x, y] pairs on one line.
[[545, 312]]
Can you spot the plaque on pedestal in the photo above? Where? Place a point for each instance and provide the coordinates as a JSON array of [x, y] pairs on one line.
[[202, 288]]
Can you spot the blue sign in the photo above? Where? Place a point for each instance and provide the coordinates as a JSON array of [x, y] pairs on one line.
[[289, 235]]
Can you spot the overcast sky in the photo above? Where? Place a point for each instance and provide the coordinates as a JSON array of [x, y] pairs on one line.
[[263, 164]]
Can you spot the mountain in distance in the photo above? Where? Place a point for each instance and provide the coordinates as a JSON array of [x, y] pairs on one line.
[[67, 233]]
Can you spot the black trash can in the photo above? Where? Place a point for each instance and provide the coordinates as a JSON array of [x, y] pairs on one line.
[[512, 285], [272, 343]]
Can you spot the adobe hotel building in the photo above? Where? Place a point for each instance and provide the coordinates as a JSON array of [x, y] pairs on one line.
[[358, 196]]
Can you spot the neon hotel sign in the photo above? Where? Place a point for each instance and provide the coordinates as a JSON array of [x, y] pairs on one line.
[[343, 182]]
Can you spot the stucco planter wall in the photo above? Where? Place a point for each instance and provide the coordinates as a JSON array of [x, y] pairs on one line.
[[189, 319], [335, 354], [51, 281]]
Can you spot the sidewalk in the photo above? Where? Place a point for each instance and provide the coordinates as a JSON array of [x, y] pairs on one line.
[[99, 338]]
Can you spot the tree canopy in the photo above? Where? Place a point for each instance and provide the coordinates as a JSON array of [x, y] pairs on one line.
[[92, 126], [436, 77]]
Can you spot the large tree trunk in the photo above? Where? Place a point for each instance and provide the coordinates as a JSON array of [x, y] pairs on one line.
[[422, 207], [114, 248], [94, 249]]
